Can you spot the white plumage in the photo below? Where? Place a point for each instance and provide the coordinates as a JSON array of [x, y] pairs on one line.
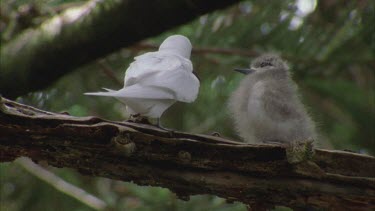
[[156, 80]]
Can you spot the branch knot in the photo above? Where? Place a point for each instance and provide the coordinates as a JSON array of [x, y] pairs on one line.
[[123, 143]]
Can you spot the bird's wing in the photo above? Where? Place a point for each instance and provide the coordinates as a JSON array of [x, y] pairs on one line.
[[169, 76], [277, 100], [149, 64], [184, 85]]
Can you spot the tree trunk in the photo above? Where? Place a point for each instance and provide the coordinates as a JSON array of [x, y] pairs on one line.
[[187, 164], [38, 57]]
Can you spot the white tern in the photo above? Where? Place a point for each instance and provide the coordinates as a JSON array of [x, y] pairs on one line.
[[156, 80], [266, 105]]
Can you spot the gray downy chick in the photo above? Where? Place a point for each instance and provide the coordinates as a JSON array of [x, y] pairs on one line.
[[266, 107]]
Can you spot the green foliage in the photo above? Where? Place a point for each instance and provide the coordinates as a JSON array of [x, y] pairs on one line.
[[331, 55]]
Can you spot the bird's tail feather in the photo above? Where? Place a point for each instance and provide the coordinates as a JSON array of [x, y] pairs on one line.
[[137, 92], [105, 94], [109, 90], [109, 93]]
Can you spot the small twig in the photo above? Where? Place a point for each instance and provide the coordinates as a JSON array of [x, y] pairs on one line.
[[201, 50], [61, 185], [240, 52], [109, 72]]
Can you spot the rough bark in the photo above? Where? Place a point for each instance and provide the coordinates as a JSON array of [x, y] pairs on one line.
[[39, 56], [187, 164]]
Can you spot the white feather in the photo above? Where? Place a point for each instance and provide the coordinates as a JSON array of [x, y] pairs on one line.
[[155, 80]]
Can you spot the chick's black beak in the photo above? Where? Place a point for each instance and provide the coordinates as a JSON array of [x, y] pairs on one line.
[[244, 70]]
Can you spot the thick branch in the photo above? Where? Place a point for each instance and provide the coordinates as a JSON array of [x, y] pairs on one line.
[[38, 57], [187, 163]]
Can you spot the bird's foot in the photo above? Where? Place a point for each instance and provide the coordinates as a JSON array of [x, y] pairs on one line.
[[296, 151], [299, 151], [137, 118], [300, 154]]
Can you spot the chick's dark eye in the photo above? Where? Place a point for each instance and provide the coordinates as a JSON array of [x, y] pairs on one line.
[[265, 64]]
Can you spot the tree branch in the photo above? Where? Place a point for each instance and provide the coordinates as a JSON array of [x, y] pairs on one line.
[[187, 164], [109, 72], [201, 50], [61, 185], [243, 52], [81, 34]]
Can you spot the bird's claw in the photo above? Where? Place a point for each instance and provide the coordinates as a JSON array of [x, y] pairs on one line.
[[137, 118], [299, 151], [296, 151]]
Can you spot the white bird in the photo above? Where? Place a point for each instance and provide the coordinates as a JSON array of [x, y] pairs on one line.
[[266, 106], [156, 80]]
